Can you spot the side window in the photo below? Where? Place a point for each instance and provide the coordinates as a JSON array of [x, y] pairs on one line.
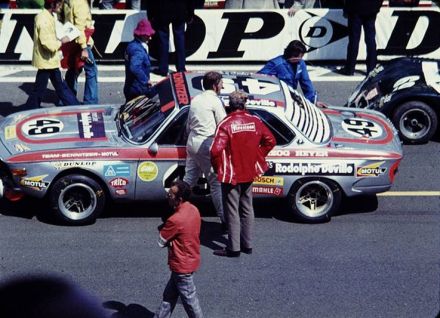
[[174, 133], [281, 132]]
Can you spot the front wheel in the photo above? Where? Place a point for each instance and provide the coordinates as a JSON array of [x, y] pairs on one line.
[[77, 199], [314, 200], [416, 122]]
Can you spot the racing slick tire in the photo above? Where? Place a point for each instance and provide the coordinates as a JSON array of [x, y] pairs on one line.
[[314, 200], [77, 199], [416, 122]]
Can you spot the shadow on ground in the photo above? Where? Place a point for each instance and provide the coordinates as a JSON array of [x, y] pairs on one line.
[[121, 310]]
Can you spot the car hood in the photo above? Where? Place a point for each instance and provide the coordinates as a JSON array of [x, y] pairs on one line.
[[362, 129], [59, 128]]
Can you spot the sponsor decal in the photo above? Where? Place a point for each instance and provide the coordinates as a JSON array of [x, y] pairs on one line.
[[297, 168], [118, 183], [279, 153], [36, 183], [74, 164], [181, 88], [371, 170], [116, 170], [79, 155], [237, 128], [311, 153], [268, 180], [121, 192], [147, 171], [261, 102], [362, 128], [42, 127], [21, 148], [10, 132], [91, 125], [268, 190]]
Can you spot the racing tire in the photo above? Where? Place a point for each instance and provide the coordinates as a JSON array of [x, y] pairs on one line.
[[314, 200], [77, 199], [416, 122]]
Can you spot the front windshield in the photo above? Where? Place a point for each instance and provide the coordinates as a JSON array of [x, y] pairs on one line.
[[142, 116], [307, 117]]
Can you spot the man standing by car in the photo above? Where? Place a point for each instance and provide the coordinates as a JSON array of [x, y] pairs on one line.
[[241, 143], [181, 234], [78, 13], [205, 113], [46, 57], [291, 68]]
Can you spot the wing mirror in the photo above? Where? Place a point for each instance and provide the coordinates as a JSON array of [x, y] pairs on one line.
[[154, 148]]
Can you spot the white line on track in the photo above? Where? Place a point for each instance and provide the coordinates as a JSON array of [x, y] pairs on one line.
[[317, 74], [410, 194]]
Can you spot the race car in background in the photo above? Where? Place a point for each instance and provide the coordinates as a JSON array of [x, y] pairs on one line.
[[80, 158], [407, 90]]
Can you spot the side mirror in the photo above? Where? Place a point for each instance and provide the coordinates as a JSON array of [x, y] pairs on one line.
[[154, 148]]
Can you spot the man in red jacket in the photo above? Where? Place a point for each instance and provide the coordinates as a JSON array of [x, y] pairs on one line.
[[238, 153], [181, 233]]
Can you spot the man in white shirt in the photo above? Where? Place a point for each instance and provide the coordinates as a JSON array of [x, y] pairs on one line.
[[205, 112]]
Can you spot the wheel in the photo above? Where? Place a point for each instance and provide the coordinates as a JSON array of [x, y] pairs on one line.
[[314, 200], [77, 199], [416, 122]]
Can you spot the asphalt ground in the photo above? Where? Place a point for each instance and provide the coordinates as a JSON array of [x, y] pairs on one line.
[[379, 257]]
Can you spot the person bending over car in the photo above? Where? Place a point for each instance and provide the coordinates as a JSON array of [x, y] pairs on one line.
[[291, 68]]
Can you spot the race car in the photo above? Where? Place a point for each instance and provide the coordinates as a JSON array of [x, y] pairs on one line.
[[407, 90], [81, 158]]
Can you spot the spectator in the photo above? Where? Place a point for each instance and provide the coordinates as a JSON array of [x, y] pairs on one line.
[[181, 234], [253, 4], [78, 13], [137, 62], [295, 5], [238, 153], [361, 14], [163, 13], [46, 57], [44, 296], [291, 68], [205, 113]]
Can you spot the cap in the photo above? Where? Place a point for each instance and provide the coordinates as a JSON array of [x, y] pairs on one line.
[[144, 28]]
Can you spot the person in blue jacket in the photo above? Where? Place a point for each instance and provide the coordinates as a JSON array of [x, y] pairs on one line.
[[137, 62], [291, 68]]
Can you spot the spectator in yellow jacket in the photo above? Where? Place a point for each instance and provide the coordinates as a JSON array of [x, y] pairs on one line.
[[46, 57], [78, 13]]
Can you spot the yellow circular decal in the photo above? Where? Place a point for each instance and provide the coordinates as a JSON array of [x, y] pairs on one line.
[[147, 171]]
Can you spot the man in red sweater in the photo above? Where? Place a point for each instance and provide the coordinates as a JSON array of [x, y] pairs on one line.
[[181, 233], [238, 152]]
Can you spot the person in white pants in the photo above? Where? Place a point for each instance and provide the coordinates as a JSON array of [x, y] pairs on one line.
[[205, 112]]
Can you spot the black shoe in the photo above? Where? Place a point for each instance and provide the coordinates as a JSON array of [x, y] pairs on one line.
[[158, 72], [227, 253], [345, 71], [246, 250]]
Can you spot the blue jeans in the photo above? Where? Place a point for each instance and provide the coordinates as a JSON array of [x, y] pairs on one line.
[[180, 285], [179, 43], [61, 89], [355, 23], [91, 84]]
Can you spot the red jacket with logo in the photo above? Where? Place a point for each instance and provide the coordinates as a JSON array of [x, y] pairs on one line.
[[240, 146], [181, 233]]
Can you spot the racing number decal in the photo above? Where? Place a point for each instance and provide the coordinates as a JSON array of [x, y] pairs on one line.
[[405, 82], [251, 86], [362, 127], [42, 126]]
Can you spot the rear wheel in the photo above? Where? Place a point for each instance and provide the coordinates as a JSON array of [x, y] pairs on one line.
[[314, 200], [416, 122], [77, 199]]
